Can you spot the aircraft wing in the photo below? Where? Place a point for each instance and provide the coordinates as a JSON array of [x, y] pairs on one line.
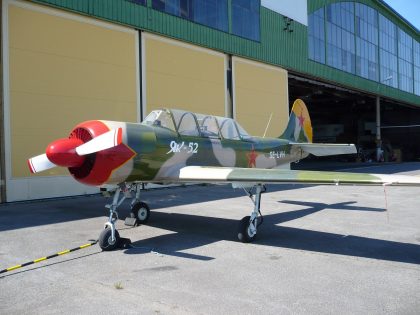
[[324, 149], [278, 176]]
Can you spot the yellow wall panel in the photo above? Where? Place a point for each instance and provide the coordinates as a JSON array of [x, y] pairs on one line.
[[259, 92], [64, 70], [58, 35], [183, 77]]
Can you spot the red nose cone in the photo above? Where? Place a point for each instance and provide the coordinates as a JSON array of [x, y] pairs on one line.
[[62, 152]]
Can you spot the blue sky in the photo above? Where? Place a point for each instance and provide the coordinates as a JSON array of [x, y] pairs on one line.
[[409, 9]]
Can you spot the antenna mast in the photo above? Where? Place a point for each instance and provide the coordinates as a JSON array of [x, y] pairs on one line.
[[268, 124]]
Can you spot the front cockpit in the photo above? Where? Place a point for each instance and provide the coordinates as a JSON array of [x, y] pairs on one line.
[[198, 125]]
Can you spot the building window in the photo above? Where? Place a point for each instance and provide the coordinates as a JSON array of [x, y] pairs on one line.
[[181, 8], [366, 30], [416, 68], [388, 60], [212, 13], [246, 18], [316, 36], [340, 36], [355, 38], [405, 61], [142, 2]]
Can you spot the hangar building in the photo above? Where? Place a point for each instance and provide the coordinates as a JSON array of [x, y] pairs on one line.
[[355, 63]]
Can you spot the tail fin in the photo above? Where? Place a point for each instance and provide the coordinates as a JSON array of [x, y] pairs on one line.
[[299, 133], [299, 128]]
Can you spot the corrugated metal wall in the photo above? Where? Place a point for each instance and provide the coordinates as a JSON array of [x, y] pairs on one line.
[[278, 47]]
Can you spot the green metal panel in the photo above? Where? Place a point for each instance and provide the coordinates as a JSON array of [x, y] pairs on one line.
[[278, 47]]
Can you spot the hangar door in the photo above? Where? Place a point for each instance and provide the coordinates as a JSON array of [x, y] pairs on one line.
[[182, 76], [60, 69], [259, 92]]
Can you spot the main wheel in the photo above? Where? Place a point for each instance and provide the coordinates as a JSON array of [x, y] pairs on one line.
[[141, 212], [245, 234], [105, 239]]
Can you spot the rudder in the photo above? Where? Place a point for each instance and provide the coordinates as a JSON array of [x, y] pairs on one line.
[[299, 127]]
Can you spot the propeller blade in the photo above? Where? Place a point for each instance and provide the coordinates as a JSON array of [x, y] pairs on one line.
[[40, 163], [105, 141]]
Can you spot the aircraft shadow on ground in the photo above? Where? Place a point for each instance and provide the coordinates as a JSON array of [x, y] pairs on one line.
[[37, 213], [191, 231]]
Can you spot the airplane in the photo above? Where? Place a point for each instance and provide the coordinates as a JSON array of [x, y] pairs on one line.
[[176, 146]]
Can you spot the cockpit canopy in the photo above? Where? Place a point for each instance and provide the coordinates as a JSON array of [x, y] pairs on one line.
[[198, 125]]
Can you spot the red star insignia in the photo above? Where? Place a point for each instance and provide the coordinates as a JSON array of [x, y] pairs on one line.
[[301, 119], [252, 157]]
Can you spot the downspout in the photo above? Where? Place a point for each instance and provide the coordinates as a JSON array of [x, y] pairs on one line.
[[2, 145]]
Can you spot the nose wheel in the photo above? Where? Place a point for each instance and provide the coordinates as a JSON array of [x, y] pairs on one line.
[[106, 241], [109, 239]]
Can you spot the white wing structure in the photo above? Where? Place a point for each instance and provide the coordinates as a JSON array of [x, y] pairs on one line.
[[279, 176]]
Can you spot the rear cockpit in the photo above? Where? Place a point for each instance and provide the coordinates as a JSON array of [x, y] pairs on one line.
[[197, 125]]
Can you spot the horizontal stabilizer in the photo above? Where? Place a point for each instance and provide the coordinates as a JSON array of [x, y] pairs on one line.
[[325, 149]]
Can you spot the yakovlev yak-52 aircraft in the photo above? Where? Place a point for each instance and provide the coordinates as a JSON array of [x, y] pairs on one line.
[[174, 146]]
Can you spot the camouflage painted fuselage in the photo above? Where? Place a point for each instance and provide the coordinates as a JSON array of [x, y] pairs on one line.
[[160, 153], [179, 146], [169, 140]]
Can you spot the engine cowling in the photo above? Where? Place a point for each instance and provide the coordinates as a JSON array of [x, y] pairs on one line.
[[92, 169]]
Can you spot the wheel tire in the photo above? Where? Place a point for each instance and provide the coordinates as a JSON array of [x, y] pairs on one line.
[[141, 212], [244, 234], [105, 242]]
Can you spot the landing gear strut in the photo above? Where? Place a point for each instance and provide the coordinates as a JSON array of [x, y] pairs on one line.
[[247, 229], [109, 239]]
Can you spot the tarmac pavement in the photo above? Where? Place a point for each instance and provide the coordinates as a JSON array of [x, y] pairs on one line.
[[320, 250]]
